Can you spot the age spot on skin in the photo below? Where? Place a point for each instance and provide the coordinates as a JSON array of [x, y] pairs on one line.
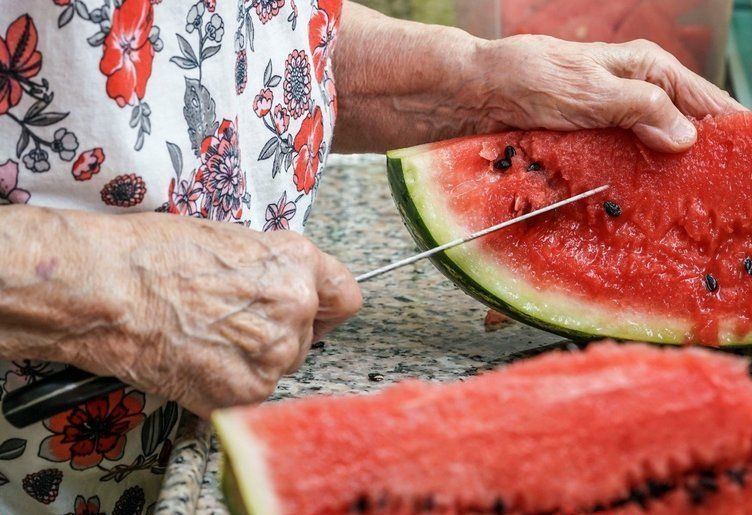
[[45, 269]]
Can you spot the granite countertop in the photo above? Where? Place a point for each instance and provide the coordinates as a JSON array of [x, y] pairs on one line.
[[414, 323]]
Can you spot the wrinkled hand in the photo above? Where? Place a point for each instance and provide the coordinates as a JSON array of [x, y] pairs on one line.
[[219, 313], [532, 82]]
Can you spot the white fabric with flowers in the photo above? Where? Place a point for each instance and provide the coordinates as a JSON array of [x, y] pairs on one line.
[[218, 109]]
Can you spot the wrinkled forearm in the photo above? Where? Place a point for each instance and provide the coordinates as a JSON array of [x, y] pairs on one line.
[[60, 290], [398, 82]]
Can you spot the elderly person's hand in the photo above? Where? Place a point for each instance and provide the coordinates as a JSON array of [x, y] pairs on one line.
[[208, 314], [536, 81], [413, 84]]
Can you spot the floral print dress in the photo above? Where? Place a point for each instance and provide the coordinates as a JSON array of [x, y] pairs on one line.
[[218, 109]]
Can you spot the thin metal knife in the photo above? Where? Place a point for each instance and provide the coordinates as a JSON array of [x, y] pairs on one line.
[[72, 387], [474, 236]]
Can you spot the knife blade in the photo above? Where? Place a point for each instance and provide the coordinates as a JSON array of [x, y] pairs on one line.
[[478, 234]]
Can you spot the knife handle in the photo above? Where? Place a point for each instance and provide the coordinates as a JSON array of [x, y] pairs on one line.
[[54, 394]]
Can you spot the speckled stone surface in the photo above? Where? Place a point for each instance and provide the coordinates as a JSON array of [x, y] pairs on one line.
[[414, 322]]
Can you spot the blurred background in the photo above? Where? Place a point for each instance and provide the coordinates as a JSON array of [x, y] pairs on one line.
[[712, 37]]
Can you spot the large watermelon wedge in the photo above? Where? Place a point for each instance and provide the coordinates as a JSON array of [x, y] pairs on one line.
[[675, 265], [612, 430]]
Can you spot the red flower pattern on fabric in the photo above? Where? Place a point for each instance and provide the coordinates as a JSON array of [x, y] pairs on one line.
[[62, 2], [221, 175], [211, 5], [185, 197], [281, 119], [322, 33], [19, 60], [9, 189], [128, 53], [94, 431], [307, 146], [268, 9], [278, 215], [88, 164], [262, 104], [88, 506], [331, 93]]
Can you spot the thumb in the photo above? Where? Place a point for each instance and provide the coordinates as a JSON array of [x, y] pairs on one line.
[[649, 112], [339, 295]]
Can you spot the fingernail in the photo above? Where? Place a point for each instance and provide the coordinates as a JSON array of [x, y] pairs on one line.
[[683, 132]]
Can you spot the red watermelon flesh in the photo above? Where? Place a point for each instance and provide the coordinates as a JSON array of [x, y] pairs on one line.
[[677, 256], [630, 429]]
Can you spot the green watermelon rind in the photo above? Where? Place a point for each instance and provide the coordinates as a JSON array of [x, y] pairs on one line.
[[426, 223], [245, 481]]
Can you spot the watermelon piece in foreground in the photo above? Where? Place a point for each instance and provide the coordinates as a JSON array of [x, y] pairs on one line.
[[665, 255], [615, 429]]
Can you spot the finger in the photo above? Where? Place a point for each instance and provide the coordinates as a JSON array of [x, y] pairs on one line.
[[306, 339], [339, 293], [692, 94], [698, 97], [649, 112], [323, 327]]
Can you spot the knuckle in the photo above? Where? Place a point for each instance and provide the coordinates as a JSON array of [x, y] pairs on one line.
[[307, 301], [655, 98], [286, 353], [644, 46], [300, 245]]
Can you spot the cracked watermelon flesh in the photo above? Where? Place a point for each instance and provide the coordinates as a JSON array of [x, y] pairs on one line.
[[577, 271], [620, 429]]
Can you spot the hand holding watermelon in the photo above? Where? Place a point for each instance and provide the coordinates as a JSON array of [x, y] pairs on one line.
[[561, 85], [438, 83]]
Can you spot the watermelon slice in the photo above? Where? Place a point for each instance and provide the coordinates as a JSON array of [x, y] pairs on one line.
[[675, 265], [612, 430]]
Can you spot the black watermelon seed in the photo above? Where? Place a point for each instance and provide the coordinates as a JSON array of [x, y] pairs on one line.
[[503, 164], [612, 209], [748, 266], [737, 476], [428, 504], [696, 494], [318, 345], [711, 283], [657, 489], [639, 497], [375, 377], [499, 508], [708, 481], [510, 152], [620, 503], [535, 167], [361, 504]]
